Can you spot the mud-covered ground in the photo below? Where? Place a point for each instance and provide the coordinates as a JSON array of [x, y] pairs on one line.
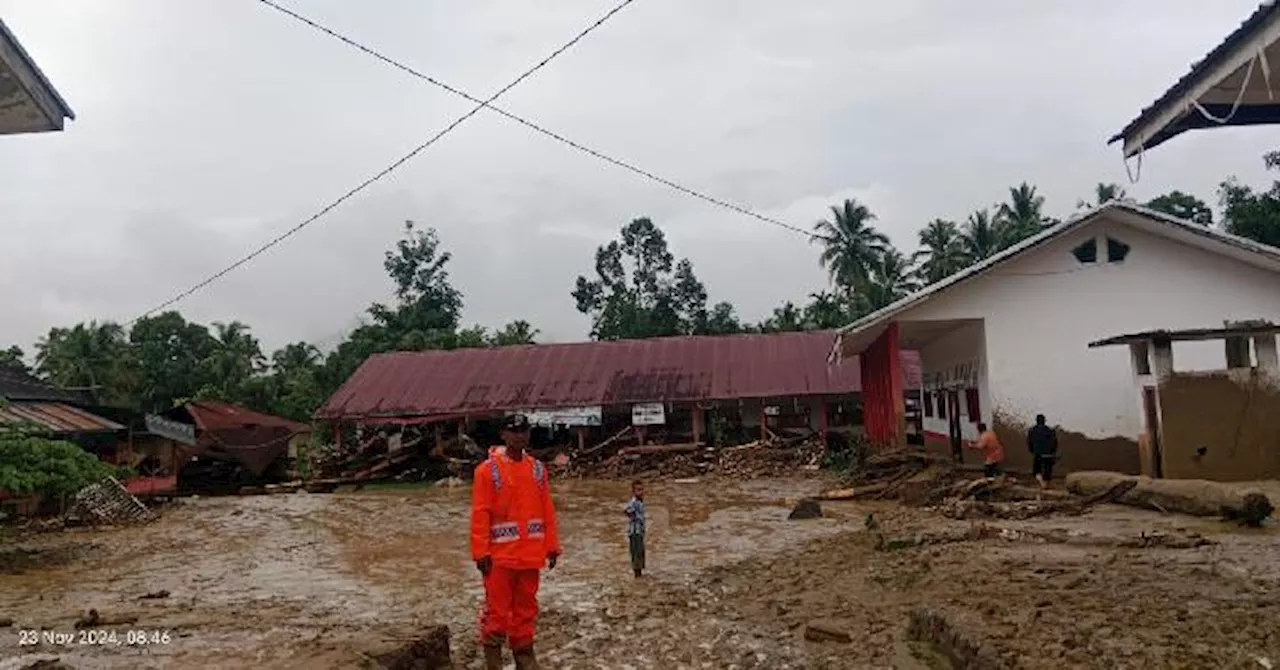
[[316, 581]]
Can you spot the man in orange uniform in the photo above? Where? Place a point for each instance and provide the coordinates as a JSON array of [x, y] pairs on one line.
[[513, 535]]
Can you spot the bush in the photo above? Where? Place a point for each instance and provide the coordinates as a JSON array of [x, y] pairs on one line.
[[31, 461]]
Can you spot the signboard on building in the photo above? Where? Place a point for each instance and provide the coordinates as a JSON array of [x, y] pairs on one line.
[[590, 415], [648, 414], [772, 410], [174, 430], [958, 375]]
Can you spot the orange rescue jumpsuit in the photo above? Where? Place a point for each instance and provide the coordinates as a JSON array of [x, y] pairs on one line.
[[513, 521]]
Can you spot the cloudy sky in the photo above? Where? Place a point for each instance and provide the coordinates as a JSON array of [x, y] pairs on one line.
[[206, 127]]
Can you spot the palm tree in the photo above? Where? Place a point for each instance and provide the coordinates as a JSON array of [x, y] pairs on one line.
[[1022, 216], [93, 355], [1103, 193], [941, 251], [826, 311], [236, 358], [516, 332], [785, 319], [851, 247], [891, 280], [980, 237]]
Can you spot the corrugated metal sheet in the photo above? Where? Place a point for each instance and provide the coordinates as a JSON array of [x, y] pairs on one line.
[[57, 417], [218, 415], [596, 373]]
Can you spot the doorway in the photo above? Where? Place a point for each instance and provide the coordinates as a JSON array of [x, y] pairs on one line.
[[1149, 409]]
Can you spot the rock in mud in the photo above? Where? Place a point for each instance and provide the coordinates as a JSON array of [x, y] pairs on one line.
[[6, 622], [48, 664], [429, 652], [826, 631], [807, 508], [936, 629], [154, 595]]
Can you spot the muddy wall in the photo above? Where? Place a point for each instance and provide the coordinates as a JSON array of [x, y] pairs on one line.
[[1220, 425], [1075, 450]]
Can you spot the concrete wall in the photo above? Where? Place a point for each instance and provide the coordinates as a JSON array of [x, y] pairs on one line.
[[1233, 415], [1042, 309], [965, 344]]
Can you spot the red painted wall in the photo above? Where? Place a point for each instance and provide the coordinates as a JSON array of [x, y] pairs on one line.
[[883, 385]]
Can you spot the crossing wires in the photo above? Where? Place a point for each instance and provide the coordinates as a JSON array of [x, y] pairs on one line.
[[480, 104], [594, 153]]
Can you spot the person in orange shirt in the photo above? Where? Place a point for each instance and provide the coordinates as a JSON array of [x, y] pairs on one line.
[[992, 450], [513, 535]]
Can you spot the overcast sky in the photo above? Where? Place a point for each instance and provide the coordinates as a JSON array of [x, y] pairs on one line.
[[206, 127]]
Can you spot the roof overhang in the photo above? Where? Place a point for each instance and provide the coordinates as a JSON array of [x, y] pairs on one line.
[[1232, 86], [1260, 329], [28, 102], [857, 336]]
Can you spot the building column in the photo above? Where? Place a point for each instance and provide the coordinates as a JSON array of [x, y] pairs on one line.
[[884, 410], [1162, 359], [824, 421], [1264, 347], [698, 418]]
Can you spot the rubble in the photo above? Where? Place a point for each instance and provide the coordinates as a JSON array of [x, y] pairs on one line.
[[826, 631], [429, 652], [771, 457], [807, 508]]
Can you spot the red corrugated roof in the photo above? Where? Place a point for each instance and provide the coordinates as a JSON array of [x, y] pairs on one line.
[[55, 416], [597, 373], [217, 415]]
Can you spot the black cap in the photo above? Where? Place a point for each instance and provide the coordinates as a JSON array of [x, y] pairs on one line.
[[516, 423]]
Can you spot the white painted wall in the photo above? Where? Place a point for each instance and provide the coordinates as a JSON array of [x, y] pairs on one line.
[[964, 344], [1042, 309]]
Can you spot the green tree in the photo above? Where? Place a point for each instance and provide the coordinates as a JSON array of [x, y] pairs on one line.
[[1102, 194], [1022, 216], [826, 311], [32, 461], [294, 382], [639, 289], [94, 356], [981, 237], [891, 280], [172, 358], [1184, 206], [234, 362], [785, 319], [516, 332], [721, 320], [941, 253], [14, 359], [850, 245]]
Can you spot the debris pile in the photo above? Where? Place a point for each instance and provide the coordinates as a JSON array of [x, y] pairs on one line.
[[109, 502], [413, 454], [772, 457], [1196, 497]]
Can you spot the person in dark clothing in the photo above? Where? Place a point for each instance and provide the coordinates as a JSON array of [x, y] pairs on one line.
[[1042, 442]]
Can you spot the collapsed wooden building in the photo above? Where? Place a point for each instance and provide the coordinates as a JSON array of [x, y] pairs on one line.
[[693, 390]]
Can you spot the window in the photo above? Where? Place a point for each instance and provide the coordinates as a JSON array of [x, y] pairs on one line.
[[1087, 252], [942, 404], [1238, 353], [928, 404], [1141, 352], [972, 406], [1116, 251]]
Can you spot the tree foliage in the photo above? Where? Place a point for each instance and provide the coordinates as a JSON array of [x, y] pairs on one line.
[[1183, 206], [31, 461], [640, 290], [1249, 213]]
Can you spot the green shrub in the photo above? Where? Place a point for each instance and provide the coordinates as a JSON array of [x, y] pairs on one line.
[[31, 461]]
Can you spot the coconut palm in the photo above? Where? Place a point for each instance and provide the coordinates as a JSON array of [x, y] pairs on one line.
[[941, 252], [1022, 216], [891, 280], [1102, 194], [850, 245], [981, 236]]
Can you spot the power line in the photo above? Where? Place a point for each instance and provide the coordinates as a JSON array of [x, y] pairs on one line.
[[481, 104], [534, 126]]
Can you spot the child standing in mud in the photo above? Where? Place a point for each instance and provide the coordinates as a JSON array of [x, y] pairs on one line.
[[635, 527]]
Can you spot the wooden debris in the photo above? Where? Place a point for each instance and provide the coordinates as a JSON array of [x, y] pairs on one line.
[[826, 631], [1196, 497], [92, 619], [963, 508], [154, 595], [855, 493], [109, 502], [661, 449]]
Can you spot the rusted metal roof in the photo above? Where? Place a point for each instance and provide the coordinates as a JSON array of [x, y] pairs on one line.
[[55, 416], [597, 373], [218, 415]]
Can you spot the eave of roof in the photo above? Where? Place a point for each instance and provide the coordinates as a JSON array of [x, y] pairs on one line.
[[56, 417], [1190, 334], [46, 92], [1206, 233], [1186, 118]]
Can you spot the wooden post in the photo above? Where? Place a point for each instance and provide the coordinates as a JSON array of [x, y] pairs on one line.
[[640, 431], [764, 420], [698, 418], [337, 436], [823, 420], [582, 437]]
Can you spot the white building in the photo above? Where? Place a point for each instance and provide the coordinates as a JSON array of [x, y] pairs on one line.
[[1008, 338], [28, 102]]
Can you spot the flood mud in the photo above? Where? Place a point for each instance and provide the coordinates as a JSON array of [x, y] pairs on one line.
[[335, 580]]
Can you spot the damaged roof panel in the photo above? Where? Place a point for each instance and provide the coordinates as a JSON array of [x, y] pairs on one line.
[[597, 373], [56, 417]]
